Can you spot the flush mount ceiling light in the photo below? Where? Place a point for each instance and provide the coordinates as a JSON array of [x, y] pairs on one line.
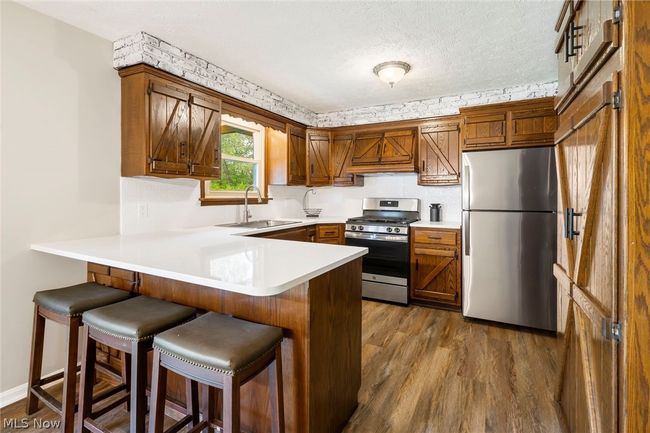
[[391, 72]]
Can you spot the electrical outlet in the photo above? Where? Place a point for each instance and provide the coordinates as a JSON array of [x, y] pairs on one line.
[[143, 210]]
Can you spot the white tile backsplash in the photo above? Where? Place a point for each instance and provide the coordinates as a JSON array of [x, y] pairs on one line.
[[152, 204]]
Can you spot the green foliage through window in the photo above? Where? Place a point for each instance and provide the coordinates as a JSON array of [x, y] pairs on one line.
[[236, 175]]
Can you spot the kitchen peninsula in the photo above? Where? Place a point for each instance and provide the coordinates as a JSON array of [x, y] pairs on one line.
[[312, 291]]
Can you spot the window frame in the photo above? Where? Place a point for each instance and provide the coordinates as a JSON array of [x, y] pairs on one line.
[[260, 133]]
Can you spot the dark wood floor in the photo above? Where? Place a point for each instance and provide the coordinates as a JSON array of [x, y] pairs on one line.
[[427, 370], [430, 371]]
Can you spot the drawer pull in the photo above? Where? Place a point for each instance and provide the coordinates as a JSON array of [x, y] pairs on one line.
[[437, 238]]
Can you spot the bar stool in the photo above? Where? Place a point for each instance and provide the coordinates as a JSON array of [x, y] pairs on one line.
[[64, 306], [128, 326], [218, 351]]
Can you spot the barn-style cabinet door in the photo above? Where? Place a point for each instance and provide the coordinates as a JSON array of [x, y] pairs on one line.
[[297, 154], [318, 157], [205, 136], [586, 269], [341, 159], [168, 129], [439, 153]]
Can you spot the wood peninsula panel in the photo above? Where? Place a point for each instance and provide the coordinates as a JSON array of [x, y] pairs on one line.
[[321, 352]]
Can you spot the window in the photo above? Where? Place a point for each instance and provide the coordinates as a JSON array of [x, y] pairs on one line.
[[242, 160]]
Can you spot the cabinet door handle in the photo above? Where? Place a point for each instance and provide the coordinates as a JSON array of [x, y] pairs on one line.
[[311, 169], [569, 220], [423, 165], [417, 264]]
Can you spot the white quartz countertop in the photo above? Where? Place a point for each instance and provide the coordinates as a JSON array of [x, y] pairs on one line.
[[437, 224], [220, 257]]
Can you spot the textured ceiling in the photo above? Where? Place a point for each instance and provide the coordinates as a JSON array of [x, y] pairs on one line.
[[321, 54]]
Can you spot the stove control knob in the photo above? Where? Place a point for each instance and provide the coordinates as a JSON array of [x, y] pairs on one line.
[[360, 227], [396, 229], [353, 227], [389, 229]]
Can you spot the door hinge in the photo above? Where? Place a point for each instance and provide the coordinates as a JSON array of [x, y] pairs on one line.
[[612, 330], [617, 100], [617, 16]]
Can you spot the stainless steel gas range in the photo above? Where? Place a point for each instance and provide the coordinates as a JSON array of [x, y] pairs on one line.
[[384, 230]]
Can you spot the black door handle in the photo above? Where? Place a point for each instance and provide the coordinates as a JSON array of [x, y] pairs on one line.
[[569, 229]]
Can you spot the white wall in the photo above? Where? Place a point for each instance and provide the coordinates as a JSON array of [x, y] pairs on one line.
[[60, 167], [150, 204]]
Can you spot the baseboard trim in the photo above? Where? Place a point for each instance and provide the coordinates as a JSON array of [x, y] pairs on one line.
[[19, 392]]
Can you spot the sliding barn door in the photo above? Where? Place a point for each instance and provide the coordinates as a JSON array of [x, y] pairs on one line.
[[587, 261]]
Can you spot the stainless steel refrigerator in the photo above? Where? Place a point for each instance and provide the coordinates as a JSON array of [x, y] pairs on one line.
[[509, 228]]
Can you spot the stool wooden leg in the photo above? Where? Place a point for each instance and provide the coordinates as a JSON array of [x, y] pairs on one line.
[[138, 387], [275, 385], [70, 375], [158, 394], [86, 380], [209, 406], [231, 414], [125, 361], [36, 360], [192, 400]]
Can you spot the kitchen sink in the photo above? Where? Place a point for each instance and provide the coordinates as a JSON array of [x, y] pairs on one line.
[[260, 224]]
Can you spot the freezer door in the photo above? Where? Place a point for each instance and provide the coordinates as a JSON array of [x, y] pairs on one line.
[[507, 267], [512, 179]]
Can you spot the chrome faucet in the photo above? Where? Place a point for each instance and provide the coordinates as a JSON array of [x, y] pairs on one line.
[[304, 197], [247, 213]]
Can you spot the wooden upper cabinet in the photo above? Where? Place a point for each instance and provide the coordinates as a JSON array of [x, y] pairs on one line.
[[484, 129], [588, 33], [205, 136], [169, 120], [318, 157], [287, 156], [341, 160], [513, 124], [169, 129], [367, 148], [439, 153], [297, 157], [398, 146], [532, 126], [383, 150]]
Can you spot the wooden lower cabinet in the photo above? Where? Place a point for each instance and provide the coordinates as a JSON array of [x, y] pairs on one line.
[[435, 267], [321, 233]]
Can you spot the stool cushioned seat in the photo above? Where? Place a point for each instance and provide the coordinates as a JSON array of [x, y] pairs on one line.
[[137, 318], [74, 300], [219, 342]]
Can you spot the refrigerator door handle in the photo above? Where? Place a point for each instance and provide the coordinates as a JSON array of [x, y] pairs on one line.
[[466, 229], [466, 187]]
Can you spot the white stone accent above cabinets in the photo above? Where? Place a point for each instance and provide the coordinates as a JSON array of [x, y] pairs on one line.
[[443, 106], [145, 48]]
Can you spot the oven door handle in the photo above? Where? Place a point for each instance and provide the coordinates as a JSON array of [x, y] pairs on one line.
[[377, 237]]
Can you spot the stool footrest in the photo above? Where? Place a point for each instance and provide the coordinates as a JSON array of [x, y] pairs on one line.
[[109, 407], [47, 399], [178, 425], [92, 426], [109, 392], [199, 427]]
